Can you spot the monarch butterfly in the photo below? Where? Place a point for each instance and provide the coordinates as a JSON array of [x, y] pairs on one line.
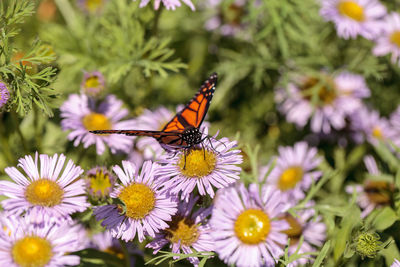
[[183, 130]]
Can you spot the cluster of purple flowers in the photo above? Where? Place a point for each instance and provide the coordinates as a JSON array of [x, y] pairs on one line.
[[367, 18]]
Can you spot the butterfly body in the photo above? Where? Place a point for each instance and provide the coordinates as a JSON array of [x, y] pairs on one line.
[[183, 130]]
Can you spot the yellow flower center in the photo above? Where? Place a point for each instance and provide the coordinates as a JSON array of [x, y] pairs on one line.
[[139, 200], [377, 132], [379, 192], [295, 230], [395, 38], [183, 230], [198, 163], [351, 10], [326, 93], [92, 82], [290, 177], [44, 192], [96, 121], [100, 183], [94, 5], [252, 226], [32, 251]]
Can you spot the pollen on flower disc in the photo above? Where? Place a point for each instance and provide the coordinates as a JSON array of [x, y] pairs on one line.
[[252, 226], [96, 121], [290, 177], [197, 163], [32, 251], [44, 192], [139, 200]]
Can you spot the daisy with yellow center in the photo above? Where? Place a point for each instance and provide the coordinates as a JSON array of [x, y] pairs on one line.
[[188, 230], [144, 209], [213, 165], [51, 192], [31, 245], [295, 170], [354, 17], [92, 6], [388, 42], [246, 227], [372, 194], [81, 114], [325, 102], [372, 126], [93, 83]]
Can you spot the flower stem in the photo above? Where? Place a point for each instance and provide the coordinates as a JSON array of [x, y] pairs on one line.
[[17, 123], [126, 253], [157, 19], [38, 136], [5, 148]]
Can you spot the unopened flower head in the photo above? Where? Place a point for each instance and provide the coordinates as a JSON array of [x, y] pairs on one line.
[[145, 209], [325, 101], [4, 94], [24, 243], [246, 227], [99, 182], [354, 17], [188, 229], [82, 114], [47, 187], [92, 6], [93, 83], [213, 165], [367, 244]]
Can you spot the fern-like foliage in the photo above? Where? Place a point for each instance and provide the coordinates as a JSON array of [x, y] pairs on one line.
[[116, 43], [26, 74]]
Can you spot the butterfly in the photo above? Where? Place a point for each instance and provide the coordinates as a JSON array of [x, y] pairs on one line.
[[183, 130]]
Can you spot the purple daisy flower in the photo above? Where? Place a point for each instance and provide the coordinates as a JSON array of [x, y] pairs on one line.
[[4, 94], [169, 4], [230, 21], [396, 263], [374, 127], [326, 102], [312, 230], [55, 191], [187, 230], [93, 83], [389, 41], [81, 115], [216, 164], [91, 6], [295, 170], [27, 244], [99, 182], [146, 208], [107, 243], [246, 226], [372, 194], [354, 17]]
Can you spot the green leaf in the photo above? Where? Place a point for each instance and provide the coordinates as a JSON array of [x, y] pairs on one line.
[[322, 255], [384, 219]]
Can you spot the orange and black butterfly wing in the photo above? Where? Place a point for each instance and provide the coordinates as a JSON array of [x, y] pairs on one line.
[[192, 115]]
